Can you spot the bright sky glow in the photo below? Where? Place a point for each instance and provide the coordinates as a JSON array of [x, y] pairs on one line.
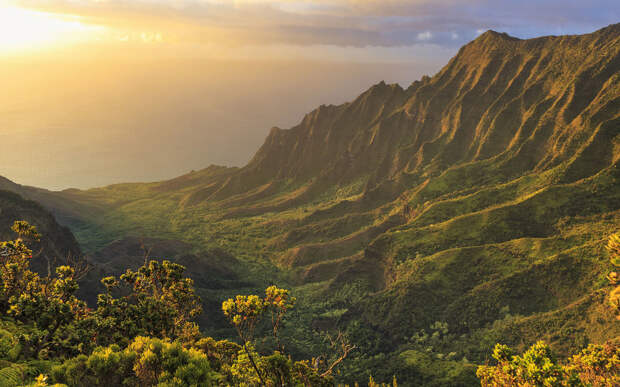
[[94, 92], [23, 30], [365, 24]]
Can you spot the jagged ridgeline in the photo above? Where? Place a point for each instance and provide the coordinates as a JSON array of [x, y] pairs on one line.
[[480, 197]]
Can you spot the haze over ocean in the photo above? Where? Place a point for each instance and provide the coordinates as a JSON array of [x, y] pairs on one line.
[[101, 92]]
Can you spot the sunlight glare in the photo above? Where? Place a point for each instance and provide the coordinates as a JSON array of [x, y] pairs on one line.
[[23, 30]]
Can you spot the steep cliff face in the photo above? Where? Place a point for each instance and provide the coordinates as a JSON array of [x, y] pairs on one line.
[[525, 104], [502, 109], [330, 139]]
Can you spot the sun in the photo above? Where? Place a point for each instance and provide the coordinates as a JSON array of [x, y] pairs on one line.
[[24, 30]]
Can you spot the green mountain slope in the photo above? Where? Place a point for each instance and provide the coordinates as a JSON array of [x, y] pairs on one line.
[[479, 197], [57, 243]]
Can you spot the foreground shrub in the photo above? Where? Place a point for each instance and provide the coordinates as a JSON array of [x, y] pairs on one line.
[[146, 362], [61, 325], [596, 365]]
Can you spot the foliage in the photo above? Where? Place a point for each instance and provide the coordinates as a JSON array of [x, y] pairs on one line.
[[47, 321], [145, 362], [596, 365], [275, 370], [20, 374], [157, 301], [15, 278], [61, 325], [244, 313], [372, 383], [434, 341], [613, 246], [278, 302], [221, 353], [160, 303], [537, 367]]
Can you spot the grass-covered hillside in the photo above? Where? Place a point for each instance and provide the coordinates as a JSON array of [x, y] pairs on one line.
[[428, 223]]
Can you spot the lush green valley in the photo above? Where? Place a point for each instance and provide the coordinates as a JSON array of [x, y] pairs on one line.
[[425, 224]]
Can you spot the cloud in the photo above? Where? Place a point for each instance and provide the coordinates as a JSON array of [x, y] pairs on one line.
[[356, 23], [426, 35]]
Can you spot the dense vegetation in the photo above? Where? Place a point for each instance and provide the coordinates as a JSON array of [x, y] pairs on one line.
[[142, 336], [147, 336], [425, 224], [596, 365]]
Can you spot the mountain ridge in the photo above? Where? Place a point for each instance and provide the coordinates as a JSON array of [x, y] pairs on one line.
[[390, 140]]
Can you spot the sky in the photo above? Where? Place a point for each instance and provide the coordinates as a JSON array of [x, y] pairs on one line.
[[104, 91]]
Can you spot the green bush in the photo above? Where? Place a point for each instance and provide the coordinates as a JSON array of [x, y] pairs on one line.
[[596, 365], [145, 362]]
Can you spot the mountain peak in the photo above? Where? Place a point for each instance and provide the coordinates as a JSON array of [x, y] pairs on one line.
[[491, 34], [493, 39], [380, 89]]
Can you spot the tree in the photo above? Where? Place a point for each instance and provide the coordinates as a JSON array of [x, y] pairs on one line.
[[221, 353], [245, 313], [165, 282], [15, 276], [61, 324], [159, 302], [341, 346], [613, 246], [278, 301]]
